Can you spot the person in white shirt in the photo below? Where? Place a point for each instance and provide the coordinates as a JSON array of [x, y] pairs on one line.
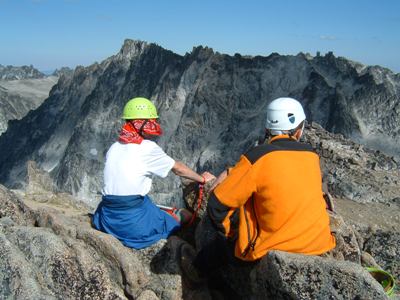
[[126, 211]]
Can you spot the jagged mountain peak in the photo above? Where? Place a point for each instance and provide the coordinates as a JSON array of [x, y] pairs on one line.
[[63, 71], [201, 51], [134, 48], [131, 48], [381, 75]]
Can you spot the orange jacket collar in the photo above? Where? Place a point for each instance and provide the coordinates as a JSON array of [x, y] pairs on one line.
[[282, 136]]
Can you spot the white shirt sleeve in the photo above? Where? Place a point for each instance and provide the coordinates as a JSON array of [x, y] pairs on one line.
[[158, 162]]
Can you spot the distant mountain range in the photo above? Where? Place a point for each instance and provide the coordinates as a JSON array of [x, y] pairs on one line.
[[29, 72], [16, 73], [212, 107], [23, 89]]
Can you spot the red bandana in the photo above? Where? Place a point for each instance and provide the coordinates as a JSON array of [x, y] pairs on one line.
[[132, 131]]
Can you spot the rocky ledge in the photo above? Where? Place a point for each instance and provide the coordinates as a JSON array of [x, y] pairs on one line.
[[49, 250], [354, 172]]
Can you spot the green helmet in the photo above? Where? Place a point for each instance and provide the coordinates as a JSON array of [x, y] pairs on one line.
[[139, 108]]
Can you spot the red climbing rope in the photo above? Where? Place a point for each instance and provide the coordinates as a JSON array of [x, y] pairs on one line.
[[199, 202]]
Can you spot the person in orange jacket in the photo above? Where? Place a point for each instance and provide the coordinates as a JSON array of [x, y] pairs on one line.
[[274, 194]]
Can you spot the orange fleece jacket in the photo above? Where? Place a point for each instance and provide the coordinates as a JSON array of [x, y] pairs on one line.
[[276, 189]]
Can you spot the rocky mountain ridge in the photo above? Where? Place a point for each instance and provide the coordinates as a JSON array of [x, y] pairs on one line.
[[211, 106], [17, 73], [23, 89]]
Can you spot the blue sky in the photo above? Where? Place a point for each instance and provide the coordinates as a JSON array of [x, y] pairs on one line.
[[55, 33]]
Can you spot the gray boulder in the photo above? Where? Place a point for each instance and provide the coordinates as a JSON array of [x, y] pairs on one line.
[[49, 250], [283, 275], [383, 245]]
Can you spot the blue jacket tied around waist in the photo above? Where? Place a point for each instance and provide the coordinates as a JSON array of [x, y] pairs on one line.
[[134, 220]]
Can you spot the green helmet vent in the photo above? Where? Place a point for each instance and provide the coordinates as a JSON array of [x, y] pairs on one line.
[[139, 108]]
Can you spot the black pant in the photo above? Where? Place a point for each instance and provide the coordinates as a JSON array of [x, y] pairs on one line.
[[212, 262], [218, 253]]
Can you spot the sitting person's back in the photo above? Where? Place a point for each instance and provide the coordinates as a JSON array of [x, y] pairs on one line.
[[276, 188], [272, 199], [126, 211]]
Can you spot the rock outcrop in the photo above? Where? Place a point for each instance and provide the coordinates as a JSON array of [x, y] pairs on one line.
[[352, 171], [49, 251], [293, 276], [211, 107]]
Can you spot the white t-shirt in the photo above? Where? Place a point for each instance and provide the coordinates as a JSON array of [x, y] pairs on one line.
[[129, 168]]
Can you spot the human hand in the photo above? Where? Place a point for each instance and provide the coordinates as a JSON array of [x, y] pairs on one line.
[[220, 178], [207, 176]]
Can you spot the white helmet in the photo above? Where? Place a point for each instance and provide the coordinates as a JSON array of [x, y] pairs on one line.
[[284, 114]]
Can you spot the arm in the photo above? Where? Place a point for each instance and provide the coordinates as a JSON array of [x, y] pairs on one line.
[[233, 192], [220, 178], [184, 171]]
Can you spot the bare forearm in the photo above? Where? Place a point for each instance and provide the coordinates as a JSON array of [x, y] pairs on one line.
[[220, 178], [184, 171]]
